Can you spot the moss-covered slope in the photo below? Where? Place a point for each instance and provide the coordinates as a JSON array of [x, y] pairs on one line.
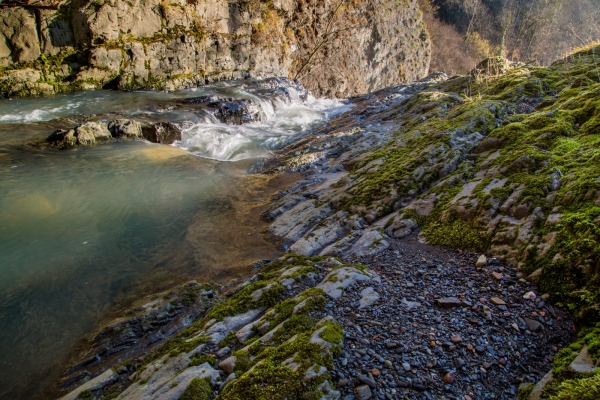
[[507, 164]]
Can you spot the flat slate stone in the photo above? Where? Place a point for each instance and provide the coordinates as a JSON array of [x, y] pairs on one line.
[[532, 324], [497, 301], [583, 362], [448, 302]]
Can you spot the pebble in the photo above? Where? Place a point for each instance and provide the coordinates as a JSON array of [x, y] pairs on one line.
[[448, 302], [529, 296], [532, 325], [362, 392], [367, 381], [497, 301], [456, 339], [481, 261], [449, 378]]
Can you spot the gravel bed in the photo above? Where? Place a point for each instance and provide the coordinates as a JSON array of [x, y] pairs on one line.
[[443, 328]]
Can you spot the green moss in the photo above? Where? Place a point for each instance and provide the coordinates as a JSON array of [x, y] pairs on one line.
[[292, 326], [85, 395], [457, 234], [243, 301], [525, 392], [563, 359], [268, 381], [555, 138], [264, 370], [578, 389], [178, 344], [242, 362], [199, 359], [198, 389], [332, 333]]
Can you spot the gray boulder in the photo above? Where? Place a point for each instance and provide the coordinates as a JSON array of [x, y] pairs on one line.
[[92, 132], [125, 128]]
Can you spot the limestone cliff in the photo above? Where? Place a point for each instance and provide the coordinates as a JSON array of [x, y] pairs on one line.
[[336, 48]]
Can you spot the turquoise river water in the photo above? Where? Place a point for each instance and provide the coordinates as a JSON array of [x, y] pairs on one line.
[[86, 229]]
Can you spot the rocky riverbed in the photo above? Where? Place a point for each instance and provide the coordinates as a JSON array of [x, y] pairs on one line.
[[362, 307]]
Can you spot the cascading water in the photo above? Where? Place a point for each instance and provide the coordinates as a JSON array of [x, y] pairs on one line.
[[87, 228]]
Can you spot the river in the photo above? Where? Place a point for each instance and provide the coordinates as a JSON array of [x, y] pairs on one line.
[[88, 229]]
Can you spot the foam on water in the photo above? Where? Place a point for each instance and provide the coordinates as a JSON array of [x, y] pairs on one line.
[[285, 123], [288, 113]]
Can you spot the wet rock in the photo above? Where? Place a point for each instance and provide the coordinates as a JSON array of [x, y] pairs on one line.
[[162, 132], [98, 382], [157, 319], [125, 128], [237, 112], [92, 132], [62, 138]]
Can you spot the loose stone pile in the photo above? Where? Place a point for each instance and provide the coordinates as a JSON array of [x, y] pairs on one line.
[[444, 328]]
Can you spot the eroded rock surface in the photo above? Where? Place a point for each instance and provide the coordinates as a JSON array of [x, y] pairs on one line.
[[360, 47]]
